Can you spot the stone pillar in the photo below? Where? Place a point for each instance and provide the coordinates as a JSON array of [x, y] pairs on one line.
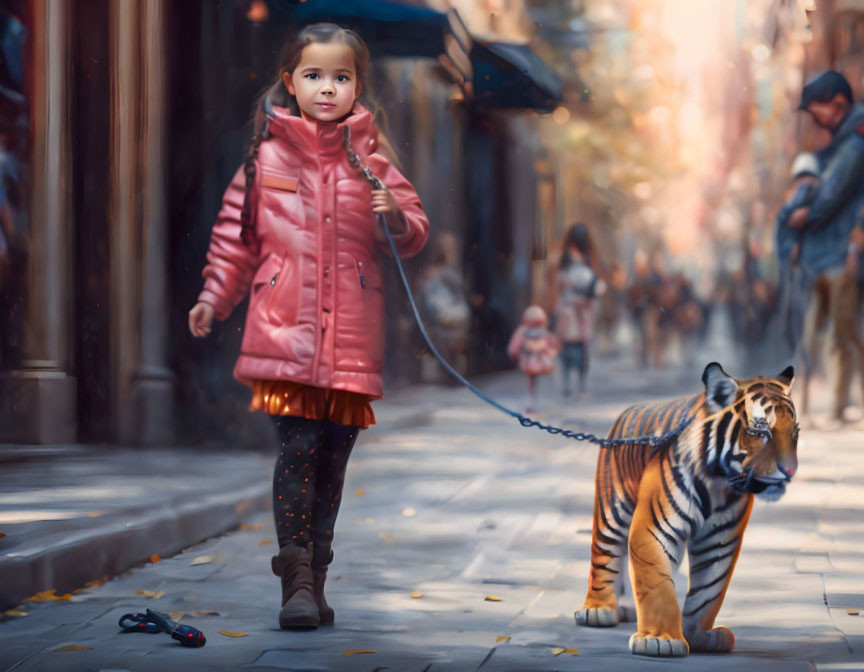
[[143, 382], [39, 399]]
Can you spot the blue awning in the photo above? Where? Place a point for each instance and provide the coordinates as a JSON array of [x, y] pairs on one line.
[[513, 76], [388, 28]]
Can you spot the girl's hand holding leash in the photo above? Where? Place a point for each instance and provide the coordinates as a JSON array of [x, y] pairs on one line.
[[200, 319], [383, 203]]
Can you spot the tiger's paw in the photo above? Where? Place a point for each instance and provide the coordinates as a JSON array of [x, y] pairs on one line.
[[717, 640], [596, 617], [658, 647]]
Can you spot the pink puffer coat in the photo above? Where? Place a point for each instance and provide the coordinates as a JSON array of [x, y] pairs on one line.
[[316, 311]]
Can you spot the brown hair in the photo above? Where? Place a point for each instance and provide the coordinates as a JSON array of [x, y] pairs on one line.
[[277, 95]]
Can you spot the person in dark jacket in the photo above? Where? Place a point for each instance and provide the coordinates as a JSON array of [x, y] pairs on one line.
[[828, 221]]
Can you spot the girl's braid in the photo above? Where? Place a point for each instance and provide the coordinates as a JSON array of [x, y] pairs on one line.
[[247, 216]]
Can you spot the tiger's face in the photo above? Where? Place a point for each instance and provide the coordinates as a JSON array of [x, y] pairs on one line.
[[760, 450]]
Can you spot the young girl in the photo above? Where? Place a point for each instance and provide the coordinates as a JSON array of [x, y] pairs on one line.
[[578, 286], [297, 226], [534, 348]]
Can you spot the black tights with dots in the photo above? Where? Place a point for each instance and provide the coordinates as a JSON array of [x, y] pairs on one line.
[[308, 480]]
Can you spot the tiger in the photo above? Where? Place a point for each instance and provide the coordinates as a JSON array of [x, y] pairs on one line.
[[693, 491]]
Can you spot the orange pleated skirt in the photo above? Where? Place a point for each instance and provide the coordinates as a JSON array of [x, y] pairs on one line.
[[285, 397]]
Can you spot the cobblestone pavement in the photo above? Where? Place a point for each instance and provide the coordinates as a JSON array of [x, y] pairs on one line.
[[463, 544]]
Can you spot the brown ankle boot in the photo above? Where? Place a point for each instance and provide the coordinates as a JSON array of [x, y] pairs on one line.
[[299, 609], [322, 556]]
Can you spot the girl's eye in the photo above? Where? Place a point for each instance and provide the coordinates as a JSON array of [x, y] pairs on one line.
[[342, 78], [312, 75]]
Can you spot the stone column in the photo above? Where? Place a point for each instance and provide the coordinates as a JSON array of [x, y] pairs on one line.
[[145, 389], [153, 388], [39, 399]]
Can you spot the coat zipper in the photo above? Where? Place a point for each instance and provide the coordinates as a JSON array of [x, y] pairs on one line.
[[361, 274]]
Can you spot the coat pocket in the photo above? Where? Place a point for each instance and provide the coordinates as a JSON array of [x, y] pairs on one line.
[[368, 276], [265, 285], [279, 181], [281, 197]]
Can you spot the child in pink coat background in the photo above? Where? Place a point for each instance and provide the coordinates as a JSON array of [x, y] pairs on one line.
[[297, 231], [534, 348]]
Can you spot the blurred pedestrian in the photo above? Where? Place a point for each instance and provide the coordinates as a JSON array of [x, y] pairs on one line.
[[445, 304], [610, 307], [578, 288], [534, 348], [828, 248], [313, 345], [642, 299], [688, 317], [796, 284]]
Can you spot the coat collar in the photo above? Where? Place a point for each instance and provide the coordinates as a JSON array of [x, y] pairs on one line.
[[326, 138]]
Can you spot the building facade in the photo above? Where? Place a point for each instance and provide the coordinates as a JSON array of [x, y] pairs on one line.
[[130, 120]]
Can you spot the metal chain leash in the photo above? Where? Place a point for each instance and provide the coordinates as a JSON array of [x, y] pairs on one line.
[[525, 421]]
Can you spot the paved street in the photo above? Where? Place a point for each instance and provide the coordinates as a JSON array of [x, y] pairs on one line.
[[439, 518]]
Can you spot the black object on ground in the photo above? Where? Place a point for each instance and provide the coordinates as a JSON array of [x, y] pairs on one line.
[[153, 622]]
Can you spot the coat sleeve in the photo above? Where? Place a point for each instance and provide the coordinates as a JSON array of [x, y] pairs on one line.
[[408, 244], [230, 264], [839, 183]]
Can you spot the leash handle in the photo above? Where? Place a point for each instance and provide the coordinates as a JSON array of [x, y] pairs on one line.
[[525, 421]]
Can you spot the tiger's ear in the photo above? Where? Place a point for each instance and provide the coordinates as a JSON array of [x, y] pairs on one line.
[[720, 387], [787, 377]]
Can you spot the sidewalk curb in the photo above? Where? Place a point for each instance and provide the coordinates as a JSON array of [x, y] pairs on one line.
[[65, 562]]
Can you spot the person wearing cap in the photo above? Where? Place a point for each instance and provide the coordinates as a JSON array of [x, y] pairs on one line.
[[805, 188], [829, 232], [795, 284]]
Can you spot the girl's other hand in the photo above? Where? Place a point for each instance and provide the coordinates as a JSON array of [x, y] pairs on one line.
[[200, 319]]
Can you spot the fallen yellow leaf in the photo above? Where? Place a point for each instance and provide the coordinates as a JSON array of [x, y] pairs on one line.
[[246, 526], [15, 612], [195, 613], [266, 542], [48, 596], [416, 595], [203, 560], [492, 598], [232, 634], [852, 611], [94, 514], [409, 512], [558, 652], [155, 557], [97, 582], [351, 652], [502, 638], [361, 492], [74, 647], [151, 593]]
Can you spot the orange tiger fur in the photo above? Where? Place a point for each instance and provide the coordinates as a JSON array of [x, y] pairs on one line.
[[696, 492]]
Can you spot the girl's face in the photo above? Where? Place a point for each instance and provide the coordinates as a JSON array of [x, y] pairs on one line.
[[324, 82]]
